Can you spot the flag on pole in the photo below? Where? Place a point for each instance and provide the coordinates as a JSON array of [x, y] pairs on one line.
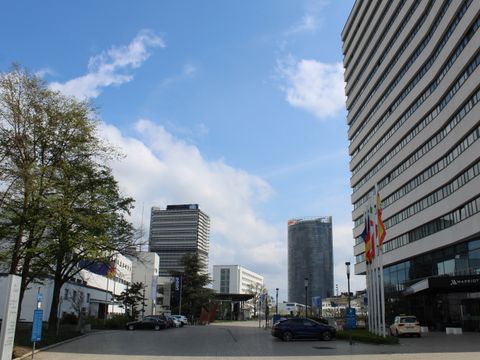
[[111, 270], [371, 234], [380, 226], [367, 239]]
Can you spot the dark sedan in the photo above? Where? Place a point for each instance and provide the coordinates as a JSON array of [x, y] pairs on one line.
[[148, 322], [298, 328]]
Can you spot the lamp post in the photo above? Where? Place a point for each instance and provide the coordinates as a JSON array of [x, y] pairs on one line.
[[276, 301], [306, 298], [347, 264]]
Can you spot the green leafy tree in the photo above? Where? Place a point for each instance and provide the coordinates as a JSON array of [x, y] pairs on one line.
[[131, 298], [194, 294], [61, 208], [256, 290], [33, 137]]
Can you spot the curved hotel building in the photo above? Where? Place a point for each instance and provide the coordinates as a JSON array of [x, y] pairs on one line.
[[310, 255], [412, 73]]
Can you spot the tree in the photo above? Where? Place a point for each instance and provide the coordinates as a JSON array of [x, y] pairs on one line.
[[33, 136], [131, 298], [256, 290], [60, 204], [194, 294]]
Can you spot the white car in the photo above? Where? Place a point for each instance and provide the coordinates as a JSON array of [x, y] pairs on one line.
[[405, 325], [182, 318], [177, 322]]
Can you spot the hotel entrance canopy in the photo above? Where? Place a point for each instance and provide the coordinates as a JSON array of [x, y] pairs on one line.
[[445, 284], [233, 297]]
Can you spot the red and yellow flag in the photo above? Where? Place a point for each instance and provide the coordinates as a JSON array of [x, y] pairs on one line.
[[381, 232], [367, 237]]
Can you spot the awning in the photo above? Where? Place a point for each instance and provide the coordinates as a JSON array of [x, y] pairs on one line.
[[446, 284], [100, 301], [233, 297]]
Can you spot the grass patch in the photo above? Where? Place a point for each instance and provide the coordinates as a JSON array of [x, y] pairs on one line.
[[23, 334], [362, 335]]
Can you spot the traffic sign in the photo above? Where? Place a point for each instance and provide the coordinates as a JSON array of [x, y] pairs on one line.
[[37, 325], [351, 318]]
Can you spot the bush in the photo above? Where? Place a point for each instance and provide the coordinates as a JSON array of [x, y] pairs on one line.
[[71, 319], [363, 335], [116, 321]]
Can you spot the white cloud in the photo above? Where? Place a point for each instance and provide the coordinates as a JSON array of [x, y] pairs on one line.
[[308, 23], [313, 86], [111, 67], [160, 169], [189, 69], [343, 251], [45, 72]]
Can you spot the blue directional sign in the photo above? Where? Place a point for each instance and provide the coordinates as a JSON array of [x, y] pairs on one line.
[[351, 318], [37, 325]]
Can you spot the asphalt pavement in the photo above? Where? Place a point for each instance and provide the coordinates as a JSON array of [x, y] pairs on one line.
[[245, 339]]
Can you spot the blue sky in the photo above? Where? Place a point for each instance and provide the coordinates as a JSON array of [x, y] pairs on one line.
[[234, 105]]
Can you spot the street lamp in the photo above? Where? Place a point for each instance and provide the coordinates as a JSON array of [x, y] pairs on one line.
[[347, 264], [276, 301], [306, 298]]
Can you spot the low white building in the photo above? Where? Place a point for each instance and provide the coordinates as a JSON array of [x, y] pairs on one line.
[[235, 279], [92, 291], [145, 270]]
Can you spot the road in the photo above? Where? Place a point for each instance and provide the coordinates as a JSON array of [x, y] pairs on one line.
[[241, 340]]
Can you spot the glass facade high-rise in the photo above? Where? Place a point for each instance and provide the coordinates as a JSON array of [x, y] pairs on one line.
[[310, 255], [412, 73], [176, 231]]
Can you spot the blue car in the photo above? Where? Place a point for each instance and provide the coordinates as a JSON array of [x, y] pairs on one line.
[[301, 328]]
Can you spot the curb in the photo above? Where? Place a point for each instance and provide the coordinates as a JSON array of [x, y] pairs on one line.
[[57, 344]]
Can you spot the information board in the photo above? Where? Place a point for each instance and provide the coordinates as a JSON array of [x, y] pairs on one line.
[[37, 325], [9, 323], [351, 318]]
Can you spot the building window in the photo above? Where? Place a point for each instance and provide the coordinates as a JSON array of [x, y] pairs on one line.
[[224, 281]]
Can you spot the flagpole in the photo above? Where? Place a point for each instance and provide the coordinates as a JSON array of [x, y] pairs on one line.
[[381, 237], [375, 298], [378, 272], [368, 266], [370, 297], [374, 270], [382, 293], [106, 303]]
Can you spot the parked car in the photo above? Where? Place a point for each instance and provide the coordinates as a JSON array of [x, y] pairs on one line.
[[148, 322], [301, 328], [176, 323], [168, 320], [405, 325], [182, 318]]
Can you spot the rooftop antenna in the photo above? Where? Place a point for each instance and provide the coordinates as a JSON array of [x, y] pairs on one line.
[[141, 228]]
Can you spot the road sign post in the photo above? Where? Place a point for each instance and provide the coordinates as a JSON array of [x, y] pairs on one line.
[[36, 327], [351, 318]]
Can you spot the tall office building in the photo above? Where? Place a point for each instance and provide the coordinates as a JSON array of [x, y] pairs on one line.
[[310, 255], [176, 231], [412, 82]]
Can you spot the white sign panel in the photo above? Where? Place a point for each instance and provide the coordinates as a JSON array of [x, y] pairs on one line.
[[9, 322]]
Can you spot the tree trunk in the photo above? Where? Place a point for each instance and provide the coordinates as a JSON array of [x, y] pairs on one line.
[[57, 287]]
